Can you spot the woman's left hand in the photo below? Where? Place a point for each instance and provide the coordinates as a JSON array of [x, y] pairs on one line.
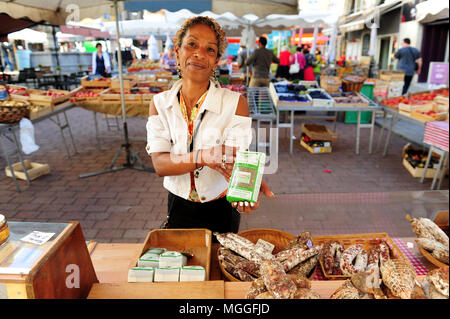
[[248, 207]]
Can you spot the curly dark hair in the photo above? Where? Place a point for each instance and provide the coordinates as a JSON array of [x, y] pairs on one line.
[[222, 43]]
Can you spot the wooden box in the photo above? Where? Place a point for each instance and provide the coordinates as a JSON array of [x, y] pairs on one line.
[[40, 97], [321, 102], [113, 96], [20, 93], [58, 269], [417, 171], [319, 132], [316, 150], [38, 111], [128, 83], [34, 170], [146, 95], [338, 101], [96, 83], [391, 76], [84, 100], [439, 115], [195, 241]]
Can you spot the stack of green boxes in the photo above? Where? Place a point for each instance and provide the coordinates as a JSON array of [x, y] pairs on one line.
[[352, 117]]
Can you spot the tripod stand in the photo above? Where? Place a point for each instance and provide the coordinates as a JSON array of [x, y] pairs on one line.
[[131, 156]]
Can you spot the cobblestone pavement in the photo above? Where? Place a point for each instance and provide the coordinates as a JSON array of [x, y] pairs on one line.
[[124, 206]]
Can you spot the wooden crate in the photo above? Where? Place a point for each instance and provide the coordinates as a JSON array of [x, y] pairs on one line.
[[40, 97], [146, 95], [321, 102], [34, 170], [394, 76], [194, 241], [58, 269], [366, 240], [418, 171], [128, 83], [364, 102], [316, 150], [84, 101], [38, 111], [113, 96], [319, 132], [106, 83], [425, 118], [21, 95]]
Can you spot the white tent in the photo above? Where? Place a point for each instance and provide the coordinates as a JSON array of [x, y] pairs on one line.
[[432, 10], [29, 35]]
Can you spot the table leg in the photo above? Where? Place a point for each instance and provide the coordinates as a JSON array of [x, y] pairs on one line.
[[388, 139], [358, 131], [292, 133], [5, 153], [96, 130], [444, 169], [58, 122], [443, 155], [380, 135], [19, 153], [426, 164], [258, 123], [372, 128], [335, 121], [277, 132], [70, 132]]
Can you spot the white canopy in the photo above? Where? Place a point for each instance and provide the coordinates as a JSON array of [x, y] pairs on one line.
[[432, 10], [29, 35], [133, 28]]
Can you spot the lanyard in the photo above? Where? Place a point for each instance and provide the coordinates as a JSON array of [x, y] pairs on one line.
[[191, 147]]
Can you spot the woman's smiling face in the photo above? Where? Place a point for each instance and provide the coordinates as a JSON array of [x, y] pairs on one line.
[[197, 55]]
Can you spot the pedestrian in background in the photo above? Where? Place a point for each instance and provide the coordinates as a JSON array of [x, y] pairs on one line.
[[409, 61], [310, 64], [168, 60], [261, 59], [101, 64], [318, 67], [283, 66], [299, 58]]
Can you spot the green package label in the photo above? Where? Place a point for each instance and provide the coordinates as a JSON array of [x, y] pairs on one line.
[[246, 177]]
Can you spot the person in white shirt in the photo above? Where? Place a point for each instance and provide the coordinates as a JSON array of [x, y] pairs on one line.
[[101, 64], [193, 131]]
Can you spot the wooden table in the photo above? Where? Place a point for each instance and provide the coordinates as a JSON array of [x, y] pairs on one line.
[[112, 261]]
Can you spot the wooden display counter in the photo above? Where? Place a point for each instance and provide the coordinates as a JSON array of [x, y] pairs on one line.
[[112, 261]]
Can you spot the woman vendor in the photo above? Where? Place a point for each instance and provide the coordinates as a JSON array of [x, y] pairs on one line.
[[193, 132]]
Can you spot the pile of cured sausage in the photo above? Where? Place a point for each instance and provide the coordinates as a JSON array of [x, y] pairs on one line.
[[279, 276], [431, 238]]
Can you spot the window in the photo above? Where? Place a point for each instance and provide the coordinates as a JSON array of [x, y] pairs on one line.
[[366, 44]]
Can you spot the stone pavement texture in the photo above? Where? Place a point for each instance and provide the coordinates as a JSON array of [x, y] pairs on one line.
[[124, 206]]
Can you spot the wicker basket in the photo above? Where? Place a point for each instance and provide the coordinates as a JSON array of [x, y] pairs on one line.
[[278, 238], [366, 240], [13, 111], [331, 84], [352, 86]]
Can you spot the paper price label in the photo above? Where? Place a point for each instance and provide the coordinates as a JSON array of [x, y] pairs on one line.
[[37, 237]]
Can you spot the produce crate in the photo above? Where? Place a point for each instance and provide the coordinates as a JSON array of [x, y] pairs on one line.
[[40, 97], [316, 150], [321, 102], [128, 83], [277, 102], [21, 93], [310, 84], [318, 132], [113, 96], [84, 100], [394, 76], [364, 102], [34, 170], [417, 172], [96, 83], [195, 241], [36, 111], [439, 115], [146, 95], [366, 240]]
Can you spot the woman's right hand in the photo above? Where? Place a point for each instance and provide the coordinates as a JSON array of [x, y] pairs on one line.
[[212, 157]]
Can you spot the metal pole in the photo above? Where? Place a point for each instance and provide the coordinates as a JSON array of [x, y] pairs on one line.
[[55, 42]]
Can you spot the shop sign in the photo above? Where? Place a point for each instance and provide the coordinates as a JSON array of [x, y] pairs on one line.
[[438, 73]]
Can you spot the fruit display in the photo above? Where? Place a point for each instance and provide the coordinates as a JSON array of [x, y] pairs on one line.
[[313, 143], [394, 102], [143, 65], [418, 158], [18, 91], [318, 94], [351, 98], [293, 98], [54, 94]]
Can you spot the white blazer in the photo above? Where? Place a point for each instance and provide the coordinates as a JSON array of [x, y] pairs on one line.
[[168, 132], [105, 58]]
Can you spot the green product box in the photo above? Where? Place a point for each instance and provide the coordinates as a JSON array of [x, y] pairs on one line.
[[246, 177]]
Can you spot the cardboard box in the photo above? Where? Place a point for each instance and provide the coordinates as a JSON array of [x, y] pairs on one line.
[[319, 132], [34, 170], [395, 89], [394, 76], [316, 150], [417, 172]]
